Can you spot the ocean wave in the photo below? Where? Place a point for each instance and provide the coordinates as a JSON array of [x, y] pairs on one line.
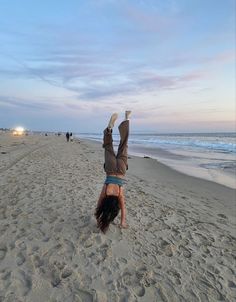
[[213, 146], [213, 143]]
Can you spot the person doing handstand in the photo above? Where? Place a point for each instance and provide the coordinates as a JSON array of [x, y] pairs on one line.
[[111, 199]]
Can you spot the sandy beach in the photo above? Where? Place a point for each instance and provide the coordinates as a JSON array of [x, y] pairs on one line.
[[180, 245]]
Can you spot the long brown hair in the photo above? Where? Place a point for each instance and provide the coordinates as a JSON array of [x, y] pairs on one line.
[[106, 212]]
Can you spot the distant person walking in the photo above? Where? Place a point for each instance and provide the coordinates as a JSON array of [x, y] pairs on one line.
[[67, 136], [71, 137], [112, 199]]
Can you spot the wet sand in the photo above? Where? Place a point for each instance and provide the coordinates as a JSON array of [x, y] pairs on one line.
[[209, 166]]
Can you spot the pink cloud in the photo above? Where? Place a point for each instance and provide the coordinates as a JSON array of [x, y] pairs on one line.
[[224, 57], [151, 21], [192, 76]]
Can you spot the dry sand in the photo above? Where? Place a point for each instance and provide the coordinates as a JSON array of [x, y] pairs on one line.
[[180, 245]]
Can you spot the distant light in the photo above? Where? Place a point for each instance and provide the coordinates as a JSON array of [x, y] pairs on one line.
[[18, 131]]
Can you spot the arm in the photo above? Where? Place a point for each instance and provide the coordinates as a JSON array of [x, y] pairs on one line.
[[123, 209], [102, 195]]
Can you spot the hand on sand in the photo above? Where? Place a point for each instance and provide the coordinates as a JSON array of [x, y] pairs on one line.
[[123, 226]]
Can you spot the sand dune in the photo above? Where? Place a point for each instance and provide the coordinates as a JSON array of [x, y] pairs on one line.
[[180, 245]]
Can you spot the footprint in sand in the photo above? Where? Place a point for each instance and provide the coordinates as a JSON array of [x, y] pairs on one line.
[[166, 247], [21, 245], [232, 285], [4, 228], [3, 251], [55, 277], [145, 276], [205, 286], [223, 219], [138, 280], [175, 276], [21, 283], [127, 278], [20, 259], [169, 250], [68, 248], [123, 260], [58, 227], [3, 213], [37, 261], [5, 279], [66, 273], [222, 216], [82, 294], [139, 290], [88, 243], [185, 251]]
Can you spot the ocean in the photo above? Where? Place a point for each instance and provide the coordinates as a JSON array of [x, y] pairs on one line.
[[211, 156]]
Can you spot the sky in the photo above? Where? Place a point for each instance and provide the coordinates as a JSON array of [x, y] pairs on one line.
[[67, 65]]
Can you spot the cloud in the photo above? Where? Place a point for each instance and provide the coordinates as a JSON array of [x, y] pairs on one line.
[[19, 103], [151, 20], [92, 83], [97, 74], [185, 60]]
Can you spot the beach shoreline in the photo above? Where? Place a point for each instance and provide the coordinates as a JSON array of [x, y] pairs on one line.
[[179, 246], [189, 163]]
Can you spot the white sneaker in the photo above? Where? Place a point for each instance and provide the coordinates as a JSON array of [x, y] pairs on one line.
[[112, 120]]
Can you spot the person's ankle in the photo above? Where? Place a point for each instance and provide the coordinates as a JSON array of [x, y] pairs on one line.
[[127, 114]]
